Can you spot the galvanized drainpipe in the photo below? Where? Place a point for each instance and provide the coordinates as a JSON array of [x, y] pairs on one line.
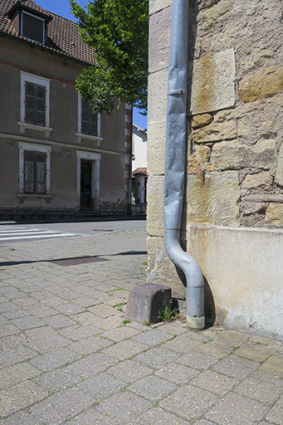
[[175, 164]]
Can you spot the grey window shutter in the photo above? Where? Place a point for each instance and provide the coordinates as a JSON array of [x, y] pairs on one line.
[[35, 103], [40, 105], [93, 123], [85, 117], [40, 172], [30, 102], [29, 172]]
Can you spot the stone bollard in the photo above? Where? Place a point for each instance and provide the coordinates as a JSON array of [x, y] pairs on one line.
[[146, 301]]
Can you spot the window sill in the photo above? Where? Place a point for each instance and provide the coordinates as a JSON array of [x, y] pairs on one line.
[[81, 136], [24, 125], [34, 195]]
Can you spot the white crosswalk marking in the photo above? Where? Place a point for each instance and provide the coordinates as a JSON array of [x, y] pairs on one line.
[[15, 234]]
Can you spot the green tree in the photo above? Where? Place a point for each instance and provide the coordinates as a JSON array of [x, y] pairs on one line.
[[118, 31]]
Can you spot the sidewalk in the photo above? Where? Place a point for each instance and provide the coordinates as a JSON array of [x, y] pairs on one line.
[[68, 357]]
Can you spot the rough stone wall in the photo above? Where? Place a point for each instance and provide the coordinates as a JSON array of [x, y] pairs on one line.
[[235, 116]]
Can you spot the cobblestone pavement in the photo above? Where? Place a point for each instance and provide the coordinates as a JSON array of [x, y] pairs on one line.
[[68, 357]]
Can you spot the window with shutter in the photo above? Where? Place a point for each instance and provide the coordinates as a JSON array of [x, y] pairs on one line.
[[35, 104], [34, 172], [88, 119]]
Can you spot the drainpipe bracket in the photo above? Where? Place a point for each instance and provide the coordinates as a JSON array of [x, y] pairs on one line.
[[195, 322]]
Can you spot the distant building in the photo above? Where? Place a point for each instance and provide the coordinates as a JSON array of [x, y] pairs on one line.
[[139, 170], [56, 156]]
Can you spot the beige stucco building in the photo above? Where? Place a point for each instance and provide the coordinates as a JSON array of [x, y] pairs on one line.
[[56, 157], [233, 212]]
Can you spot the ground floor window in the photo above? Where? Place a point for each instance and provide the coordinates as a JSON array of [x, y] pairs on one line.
[[34, 169]]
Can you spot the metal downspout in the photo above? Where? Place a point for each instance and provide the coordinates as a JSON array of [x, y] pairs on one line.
[[175, 164]]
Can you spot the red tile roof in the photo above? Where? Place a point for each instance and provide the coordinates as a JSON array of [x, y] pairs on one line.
[[139, 171], [62, 34]]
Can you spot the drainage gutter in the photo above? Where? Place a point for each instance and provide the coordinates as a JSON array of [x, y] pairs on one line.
[[175, 164]]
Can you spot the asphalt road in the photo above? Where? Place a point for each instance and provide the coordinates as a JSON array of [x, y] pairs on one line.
[[15, 232]]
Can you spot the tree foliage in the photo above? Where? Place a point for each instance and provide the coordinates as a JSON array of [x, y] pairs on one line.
[[118, 31]]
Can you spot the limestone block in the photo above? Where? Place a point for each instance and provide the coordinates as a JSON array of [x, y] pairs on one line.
[[205, 4], [159, 40], [201, 120], [265, 83], [156, 148], [215, 14], [216, 132], [234, 155], [279, 169], [155, 222], [157, 96], [261, 181], [213, 82], [202, 154], [248, 208], [274, 215], [213, 198], [161, 270], [156, 5]]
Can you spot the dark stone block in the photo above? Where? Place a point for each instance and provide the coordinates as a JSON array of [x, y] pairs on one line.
[[146, 301]]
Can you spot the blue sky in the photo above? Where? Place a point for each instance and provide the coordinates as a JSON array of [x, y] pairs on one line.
[[62, 8]]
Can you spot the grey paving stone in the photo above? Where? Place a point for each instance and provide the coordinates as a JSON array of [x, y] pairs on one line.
[[235, 407], [20, 397], [215, 382], [101, 386], [158, 416], [262, 387], [214, 349], [236, 367], [61, 406], [276, 413], [197, 360], [54, 359], [90, 417], [153, 388], [4, 321], [189, 402], [13, 341], [49, 343], [15, 355], [124, 349], [233, 338], [91, 365], [177, 373], [90, 345], [77, 333], [182, 344], [8, 330], [29, 322], [43, 311], [87, 301], [152, 337], [55, 301], [20, 418], [121, 333], [157, 357], [59, 321], [13, 375], [70, 308], [124, 407], [103, 310], [57, 380], [129, 371], [86, 318], [7, 307], [26, 302], [174, 328], [273, 365]]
